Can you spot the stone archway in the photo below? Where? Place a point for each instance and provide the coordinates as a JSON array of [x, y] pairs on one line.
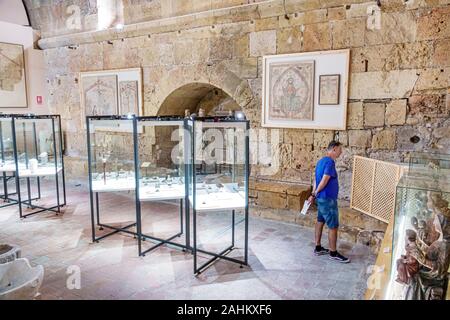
[[187, 86], [194, 96]]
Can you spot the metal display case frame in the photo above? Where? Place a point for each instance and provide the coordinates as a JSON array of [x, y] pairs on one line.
[[56, 131], [94, 194], [6, 175], [220, 120], [164, 121]]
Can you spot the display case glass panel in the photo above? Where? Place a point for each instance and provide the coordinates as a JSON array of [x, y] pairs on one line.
[[218, 189], [111, 153], [219, 164], [426, 163], [420, 249], [38, 145], [7, 163], [162, 147], [161, 158]]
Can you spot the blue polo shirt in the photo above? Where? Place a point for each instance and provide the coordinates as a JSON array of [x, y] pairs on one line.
[[327, 166]]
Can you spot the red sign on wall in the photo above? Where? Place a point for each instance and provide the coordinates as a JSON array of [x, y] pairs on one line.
[[39, 99]]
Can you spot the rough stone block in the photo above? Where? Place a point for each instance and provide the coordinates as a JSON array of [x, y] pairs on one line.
[[441, 56], [384, 139], [263, 43], [337, 13], [220, 49], [374, 114], [396, 112], [355, 115], [359, 138], [380, 85], [289, 40], [411, 139], [298, 136], [348, 33], [432, 79], [272, 200], [434, 24], [396, 27], [317, 37], [427, 105], [322, 138], [266, 24], [302, 158]]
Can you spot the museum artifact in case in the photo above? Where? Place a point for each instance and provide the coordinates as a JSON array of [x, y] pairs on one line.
[[38, 154], [421, 237], [161, 148], [218, 187], [111, 164]]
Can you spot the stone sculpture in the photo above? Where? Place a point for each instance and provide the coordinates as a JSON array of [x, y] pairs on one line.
[[424, 266]]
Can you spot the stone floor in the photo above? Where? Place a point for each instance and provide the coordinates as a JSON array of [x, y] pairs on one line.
[[281, 263]]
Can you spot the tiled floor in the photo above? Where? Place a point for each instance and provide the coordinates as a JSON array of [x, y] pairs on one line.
[[281, 262]]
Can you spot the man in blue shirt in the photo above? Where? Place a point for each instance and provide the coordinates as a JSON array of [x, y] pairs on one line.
[[325, 192]]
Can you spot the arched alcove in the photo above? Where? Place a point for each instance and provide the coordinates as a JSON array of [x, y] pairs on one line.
[[194, 96]]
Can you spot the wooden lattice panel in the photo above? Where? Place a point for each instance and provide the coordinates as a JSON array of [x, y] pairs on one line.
[[373, 187]]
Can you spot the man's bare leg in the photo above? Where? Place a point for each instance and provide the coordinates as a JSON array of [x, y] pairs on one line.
[[332, 238], [319, 229]]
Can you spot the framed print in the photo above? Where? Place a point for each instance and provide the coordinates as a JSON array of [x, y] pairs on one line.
[[128, 97], [291, 92], [299, 88], [13, 86], [329, 89], [111, 92], [100, 95]]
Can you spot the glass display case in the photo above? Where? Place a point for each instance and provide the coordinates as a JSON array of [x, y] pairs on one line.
[[420, 248], [160, 151], [426, 163], [111, 167], [7, 163], [218, 188], [38, 155]]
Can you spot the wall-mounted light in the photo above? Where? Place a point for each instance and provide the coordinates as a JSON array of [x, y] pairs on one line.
[[239, 115], [119, 26]]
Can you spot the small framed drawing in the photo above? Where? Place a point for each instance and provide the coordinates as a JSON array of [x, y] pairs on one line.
[[329, 88]]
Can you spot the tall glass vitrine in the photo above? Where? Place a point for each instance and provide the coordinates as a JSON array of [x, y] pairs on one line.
[[38, 155], [218, 189], [110, 141], [161, 148], [7, 163], [421, 235]]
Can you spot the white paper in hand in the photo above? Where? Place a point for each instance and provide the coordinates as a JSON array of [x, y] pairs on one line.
[[305, 208]]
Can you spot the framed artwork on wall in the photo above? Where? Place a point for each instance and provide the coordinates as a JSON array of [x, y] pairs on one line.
[[111, 92], [329, 89], [100, 95], [291, 92], [306, 90], [13, 86], [128, 97]]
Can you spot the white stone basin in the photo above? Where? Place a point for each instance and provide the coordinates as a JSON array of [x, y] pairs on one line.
[[19, 280], [8, 253]]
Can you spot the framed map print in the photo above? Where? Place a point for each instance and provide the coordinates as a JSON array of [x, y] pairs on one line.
[[306, 90], [329, 89], [13, 88]]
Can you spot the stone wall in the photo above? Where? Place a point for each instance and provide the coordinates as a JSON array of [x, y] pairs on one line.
[[399, 96]]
